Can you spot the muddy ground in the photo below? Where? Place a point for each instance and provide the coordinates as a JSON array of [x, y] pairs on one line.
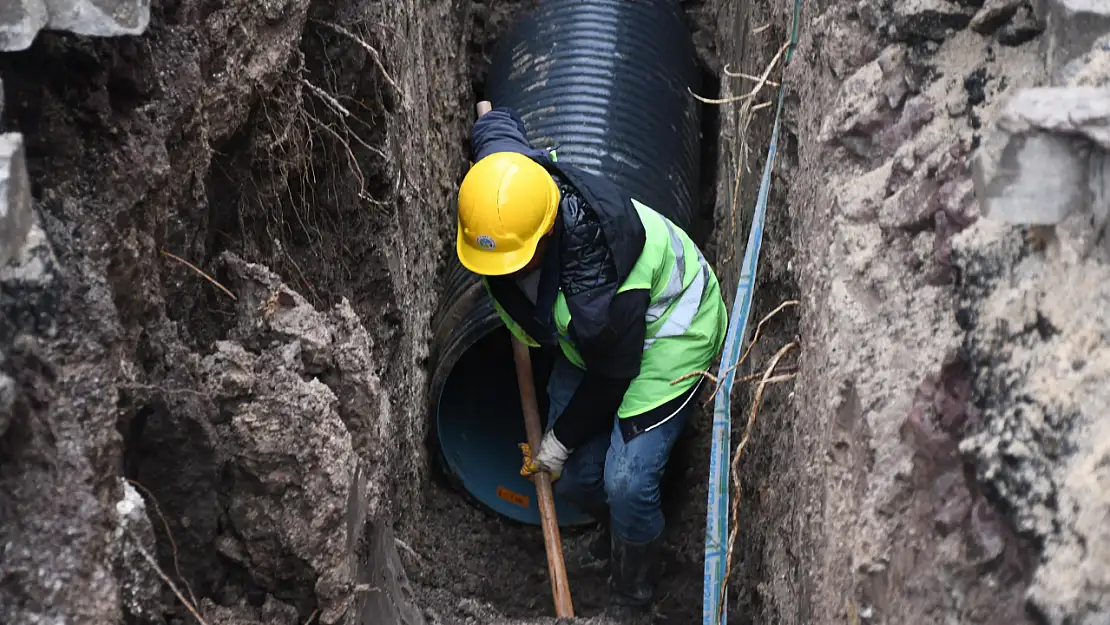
[[266, 445]]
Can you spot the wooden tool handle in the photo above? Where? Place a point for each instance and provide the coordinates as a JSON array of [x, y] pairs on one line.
[[556, 567]]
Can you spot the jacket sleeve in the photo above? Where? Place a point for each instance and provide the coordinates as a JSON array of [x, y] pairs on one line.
[[617, 348], [501, 130], [612, 362]]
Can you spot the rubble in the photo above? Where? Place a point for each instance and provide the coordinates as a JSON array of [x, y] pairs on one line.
[[933, 20], [1048, 155], [1033, 309], [21, 20], [1071, 28], [15, 194]]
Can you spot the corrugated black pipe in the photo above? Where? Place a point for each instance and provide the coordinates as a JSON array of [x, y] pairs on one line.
[[607, 83]]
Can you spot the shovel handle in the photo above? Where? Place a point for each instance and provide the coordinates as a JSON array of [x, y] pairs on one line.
[[556, 567]]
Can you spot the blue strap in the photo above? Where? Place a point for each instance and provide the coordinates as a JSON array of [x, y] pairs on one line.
[[716, 517]]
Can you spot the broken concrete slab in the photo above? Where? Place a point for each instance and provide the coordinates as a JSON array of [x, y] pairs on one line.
[[1035, 166], [1037, 179], [1089, 70], [15, 196], [1071, 28], [1082, 111], [99, 18], [20, 21]]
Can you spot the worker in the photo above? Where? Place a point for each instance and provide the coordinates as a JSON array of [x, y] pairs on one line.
[[574, 263]]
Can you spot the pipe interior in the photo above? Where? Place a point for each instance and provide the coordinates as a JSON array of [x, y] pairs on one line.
[[480, 424]]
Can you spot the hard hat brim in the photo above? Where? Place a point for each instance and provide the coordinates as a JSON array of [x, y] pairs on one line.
[[492, 262]]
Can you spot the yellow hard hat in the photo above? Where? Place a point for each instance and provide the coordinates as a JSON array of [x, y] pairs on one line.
[[507, 203]]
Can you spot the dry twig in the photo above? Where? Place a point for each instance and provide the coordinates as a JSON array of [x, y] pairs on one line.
[[202, 274], [743, 357], [371, 50], [169, 536], [747, 112], [734, 468], [761, 82], [165, 578]]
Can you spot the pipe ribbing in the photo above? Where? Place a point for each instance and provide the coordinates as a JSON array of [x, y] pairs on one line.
[[606, 82]]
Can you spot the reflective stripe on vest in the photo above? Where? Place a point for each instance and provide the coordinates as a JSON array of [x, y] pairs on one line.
[[689, 299]]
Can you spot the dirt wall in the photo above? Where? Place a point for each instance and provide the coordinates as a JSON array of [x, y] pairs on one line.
[[927, 466], [213, 331], [264, 433]]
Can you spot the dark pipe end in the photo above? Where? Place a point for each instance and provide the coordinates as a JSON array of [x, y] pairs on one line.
[[479, 424]]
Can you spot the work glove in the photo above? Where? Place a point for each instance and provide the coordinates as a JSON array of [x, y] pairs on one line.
[[551, 458]]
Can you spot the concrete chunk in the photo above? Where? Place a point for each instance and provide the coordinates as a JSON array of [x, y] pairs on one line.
[[1083, 111], [1089, 70], [101, 18], [1071, 28], [20, 21], [1038, 178], [15, 196], [1045, 159]]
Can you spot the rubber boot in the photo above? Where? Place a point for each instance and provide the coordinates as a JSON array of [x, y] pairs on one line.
[[631, 580]]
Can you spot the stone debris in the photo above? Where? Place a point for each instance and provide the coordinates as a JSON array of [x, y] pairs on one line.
[[1071, 28], [15, 195], [1071, 111], [1012, 22], [21, 20], [1046, 157], [933, 20], [140, 586], [99, 18], [1037, 178]]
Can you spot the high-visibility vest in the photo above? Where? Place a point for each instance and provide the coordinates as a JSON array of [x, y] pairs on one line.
[[686, 317]]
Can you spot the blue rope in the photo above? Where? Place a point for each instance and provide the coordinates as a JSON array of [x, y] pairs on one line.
[[716, 517]]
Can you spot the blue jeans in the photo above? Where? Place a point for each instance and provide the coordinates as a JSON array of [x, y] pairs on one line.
[[606, 470]]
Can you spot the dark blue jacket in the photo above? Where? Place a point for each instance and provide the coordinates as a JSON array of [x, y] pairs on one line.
[[597, 240]]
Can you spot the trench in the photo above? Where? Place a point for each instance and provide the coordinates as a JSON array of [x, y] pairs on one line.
[[584, 98], [572, 71], [486, 546]]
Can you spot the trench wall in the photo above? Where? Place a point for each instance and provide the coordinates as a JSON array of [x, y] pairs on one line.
[[940, 456], [257, 441], [936, 458]]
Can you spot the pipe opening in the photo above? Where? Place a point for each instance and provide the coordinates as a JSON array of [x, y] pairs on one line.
[[480, 423]]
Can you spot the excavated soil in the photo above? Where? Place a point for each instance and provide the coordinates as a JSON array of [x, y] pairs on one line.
[[214, 343]]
